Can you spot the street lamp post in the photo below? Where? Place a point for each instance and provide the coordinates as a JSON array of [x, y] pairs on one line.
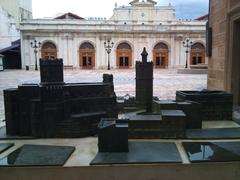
[[187, 44], [108, 47], [35, 45]]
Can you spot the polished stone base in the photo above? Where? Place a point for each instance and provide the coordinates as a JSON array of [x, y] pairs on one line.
[[38, 155], [213, 133], [5, 146], [141, 153], [212, 152]]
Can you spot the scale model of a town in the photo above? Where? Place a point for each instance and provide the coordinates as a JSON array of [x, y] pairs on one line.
[[145, 133]]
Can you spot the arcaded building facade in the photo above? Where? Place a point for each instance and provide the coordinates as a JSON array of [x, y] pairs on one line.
[[80, 42], [224, 61]]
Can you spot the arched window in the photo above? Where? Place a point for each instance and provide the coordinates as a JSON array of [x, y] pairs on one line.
[[124, 55], [87, 55], [197, 54], [160, 55], [49, 51]]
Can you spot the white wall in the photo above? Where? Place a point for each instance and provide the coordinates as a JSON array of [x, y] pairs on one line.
[[8, 31], [143, 13], [26, 4]]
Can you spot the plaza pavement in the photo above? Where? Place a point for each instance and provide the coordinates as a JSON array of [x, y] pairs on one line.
[[166, 82]]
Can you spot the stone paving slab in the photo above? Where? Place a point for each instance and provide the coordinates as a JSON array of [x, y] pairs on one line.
[[5, 146], [86, 148], [141, 153], [38, 155], [212, 151]]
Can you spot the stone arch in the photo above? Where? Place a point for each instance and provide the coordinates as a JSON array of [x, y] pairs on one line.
[[87, 55], [48, 50], [164, 42], [161, 55], [124, 53], [124, 41], [197, 53], [200, 42], [87, 41]]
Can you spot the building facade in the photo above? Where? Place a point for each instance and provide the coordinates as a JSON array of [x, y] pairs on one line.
[[224, 64], [19, 9], [8, 29], [80, 42], [11, 14]]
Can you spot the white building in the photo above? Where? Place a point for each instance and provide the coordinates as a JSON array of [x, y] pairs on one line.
[[8, 29], [12, 12], [19, 9], [80, 42]]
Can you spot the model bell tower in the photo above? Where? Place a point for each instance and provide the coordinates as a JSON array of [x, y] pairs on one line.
[[144, 82]]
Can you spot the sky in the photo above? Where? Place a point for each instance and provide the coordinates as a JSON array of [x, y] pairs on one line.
[[185, 9]]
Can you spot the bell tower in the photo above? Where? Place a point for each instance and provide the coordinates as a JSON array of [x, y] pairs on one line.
[[144, 82]]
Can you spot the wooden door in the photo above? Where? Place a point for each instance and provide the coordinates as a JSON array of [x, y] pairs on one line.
[[124, 58], [48, 51], [160, 58], [87, 58], [197, 56]]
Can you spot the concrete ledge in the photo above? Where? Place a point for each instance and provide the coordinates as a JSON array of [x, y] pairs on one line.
[[198, 171], [192, 71]]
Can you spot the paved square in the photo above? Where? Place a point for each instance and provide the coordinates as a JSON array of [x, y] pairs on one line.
[[166, 82]]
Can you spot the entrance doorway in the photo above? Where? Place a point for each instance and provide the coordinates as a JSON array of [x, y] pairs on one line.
[[160, 55], [87, 56], [197, 54], [124, 56], [49, 51]]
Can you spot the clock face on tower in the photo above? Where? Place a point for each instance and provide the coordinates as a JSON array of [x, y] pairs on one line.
[[142, 14]]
